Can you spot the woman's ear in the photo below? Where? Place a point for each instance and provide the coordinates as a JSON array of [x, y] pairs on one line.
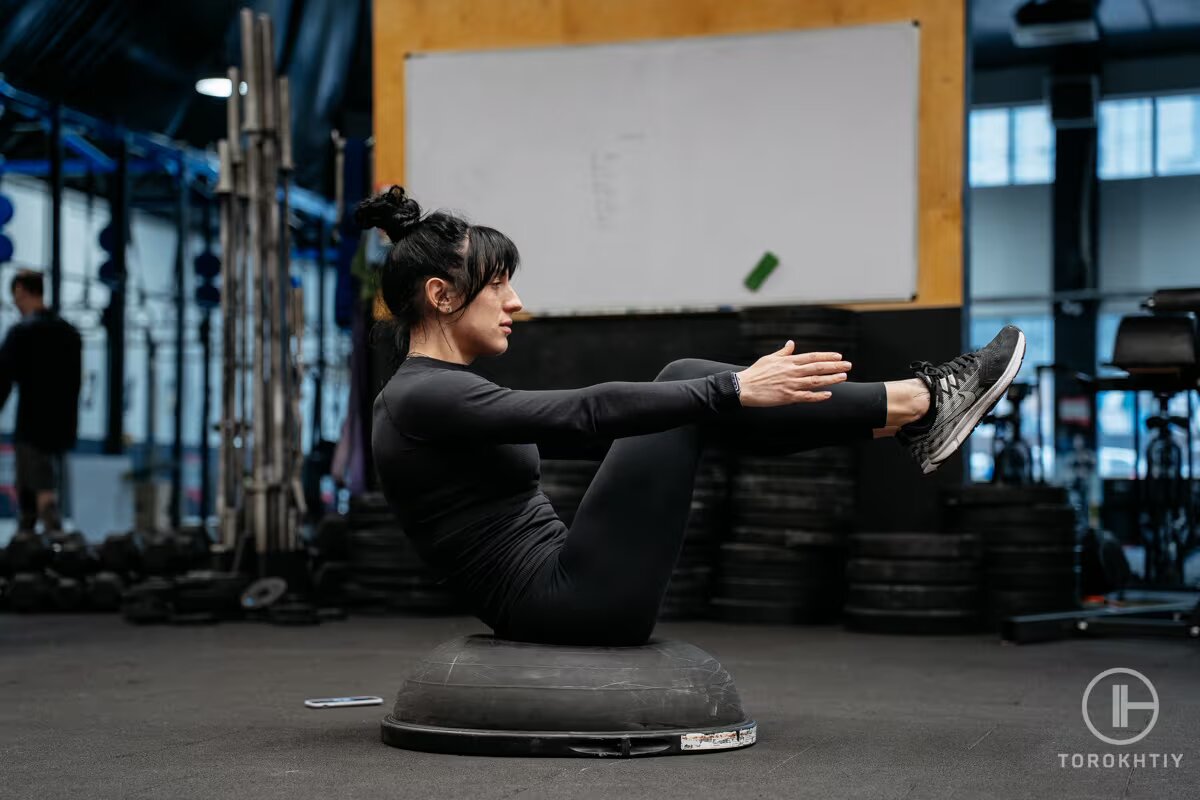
[[437, 293]]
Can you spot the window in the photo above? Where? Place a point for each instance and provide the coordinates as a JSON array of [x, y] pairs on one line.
[[1033, 145], [1126, 138], [1011, 145], [988, 143], [1139, 137], [1178, 121]]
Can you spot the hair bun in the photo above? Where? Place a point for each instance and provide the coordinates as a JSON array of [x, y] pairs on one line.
[[393, 211]]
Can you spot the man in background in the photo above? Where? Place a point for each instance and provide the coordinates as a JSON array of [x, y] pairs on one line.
[[42, 354]]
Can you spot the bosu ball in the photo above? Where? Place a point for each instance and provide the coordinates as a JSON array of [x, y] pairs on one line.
[[478, 695]]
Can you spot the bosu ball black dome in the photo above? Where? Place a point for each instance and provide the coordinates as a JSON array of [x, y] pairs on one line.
[[478, 695]]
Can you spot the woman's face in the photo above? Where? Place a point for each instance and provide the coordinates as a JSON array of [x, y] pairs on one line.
[[484, 327]]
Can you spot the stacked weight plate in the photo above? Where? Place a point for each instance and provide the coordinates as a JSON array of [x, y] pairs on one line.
[[28, 555], [120, 557], [330, 550], [564, 482], [784, 560], [814, 329], [384, 571], [689, 594], [1031, 557], [785, 556], [919, 583]]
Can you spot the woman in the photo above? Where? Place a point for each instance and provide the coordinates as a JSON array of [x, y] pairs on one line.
[[459, 456]]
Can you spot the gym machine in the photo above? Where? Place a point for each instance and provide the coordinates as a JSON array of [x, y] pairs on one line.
[[1160, 352]]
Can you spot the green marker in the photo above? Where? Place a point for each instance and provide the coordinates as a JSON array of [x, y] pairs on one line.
[[761, 270]]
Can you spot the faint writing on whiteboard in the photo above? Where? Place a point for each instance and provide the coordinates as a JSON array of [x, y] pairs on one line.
[[615, 169]]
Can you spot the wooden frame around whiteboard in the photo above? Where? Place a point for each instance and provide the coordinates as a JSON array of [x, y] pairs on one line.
[[402, 27]]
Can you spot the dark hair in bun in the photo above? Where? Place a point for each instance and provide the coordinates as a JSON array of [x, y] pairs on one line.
[[394, 212], [441, 245]]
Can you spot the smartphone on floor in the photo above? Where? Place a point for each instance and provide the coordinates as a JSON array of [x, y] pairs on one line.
[[343, 702]]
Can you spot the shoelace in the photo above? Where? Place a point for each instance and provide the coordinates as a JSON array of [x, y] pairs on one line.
[[927, 369], [918, 446]]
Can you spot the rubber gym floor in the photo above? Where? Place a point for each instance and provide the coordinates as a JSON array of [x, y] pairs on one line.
[[93, 707]]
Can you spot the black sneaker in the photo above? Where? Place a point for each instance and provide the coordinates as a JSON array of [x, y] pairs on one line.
[[962, 392]]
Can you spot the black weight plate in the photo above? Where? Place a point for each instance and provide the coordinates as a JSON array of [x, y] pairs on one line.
[[329, 583], [263, 593], [1033, 579], [876, 570], [811, 487], [119, 553], [332, 614], [987, 494], [71, 558], [819, 461], [925, 546], [379, 535], [368, 501], [786, 537], [793, 520], [1045, 558], [331, 537], [28, 552], [293, 611], [811, 572], [690, 586], [780, 330], [396, 583], [1015, 603], [799, 312], [987, 523], [29, 592], [904, 597], [796, 508], [937, 622], [753, 555], [209, 592], [1031, 537], [68, 595], [1036, 513], [731, 609], [784, 591], [149, 601], [693, 572], [104, 591], [192, 618]]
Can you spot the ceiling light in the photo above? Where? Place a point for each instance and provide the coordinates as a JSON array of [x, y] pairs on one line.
[[217, 87]]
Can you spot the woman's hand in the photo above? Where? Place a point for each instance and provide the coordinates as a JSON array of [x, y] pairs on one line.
[[783, 378]]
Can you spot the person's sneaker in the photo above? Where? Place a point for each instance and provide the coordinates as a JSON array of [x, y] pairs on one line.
[[961, 393]]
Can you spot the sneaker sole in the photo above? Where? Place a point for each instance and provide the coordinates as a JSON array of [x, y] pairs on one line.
[[967, 423]]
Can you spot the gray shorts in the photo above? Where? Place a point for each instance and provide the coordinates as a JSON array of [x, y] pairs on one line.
[[37, 470]]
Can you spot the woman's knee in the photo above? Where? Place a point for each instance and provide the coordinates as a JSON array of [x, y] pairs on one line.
[[683, 368]]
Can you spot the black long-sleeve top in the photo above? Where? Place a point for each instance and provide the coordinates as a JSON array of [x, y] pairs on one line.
[[43, 355], [459, 461]]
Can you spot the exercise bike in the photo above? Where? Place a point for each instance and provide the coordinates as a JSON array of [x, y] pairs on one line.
[[1012, 459]]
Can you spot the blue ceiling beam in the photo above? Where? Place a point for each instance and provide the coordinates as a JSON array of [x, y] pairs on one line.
[[166, 152]]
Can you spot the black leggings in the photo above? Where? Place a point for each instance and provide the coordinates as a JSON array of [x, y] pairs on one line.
[[605, 584]]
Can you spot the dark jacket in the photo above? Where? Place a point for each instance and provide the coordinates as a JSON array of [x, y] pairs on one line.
[[43, 354]]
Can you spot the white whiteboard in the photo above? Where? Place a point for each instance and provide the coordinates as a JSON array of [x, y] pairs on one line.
[[655, 175]]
